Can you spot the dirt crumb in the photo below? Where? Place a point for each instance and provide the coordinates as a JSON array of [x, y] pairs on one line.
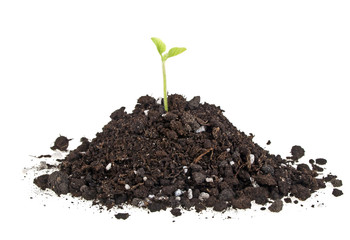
[[337, 192], [276, 206], [176, 212], [61, 143], [321, 161], [297, 152], [122, 216], [336, 182]]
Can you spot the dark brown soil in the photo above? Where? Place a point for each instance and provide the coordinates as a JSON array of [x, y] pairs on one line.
[[190, 157], [321, 161], [276, 206], [336, 192], [336, 182], [61, 143], [43, 156], [297, 153], [176, 212], [122, 216]]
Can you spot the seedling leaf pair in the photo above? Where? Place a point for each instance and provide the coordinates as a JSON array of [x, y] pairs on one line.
[[161, 47]]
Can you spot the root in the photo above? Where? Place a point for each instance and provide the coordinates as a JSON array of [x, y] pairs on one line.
[[200, 156]]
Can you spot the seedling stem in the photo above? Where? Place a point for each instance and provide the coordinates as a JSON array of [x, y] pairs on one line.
[[172, 52], [164, 86]]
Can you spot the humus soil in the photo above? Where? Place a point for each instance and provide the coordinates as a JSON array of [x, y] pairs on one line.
[[190, 157]]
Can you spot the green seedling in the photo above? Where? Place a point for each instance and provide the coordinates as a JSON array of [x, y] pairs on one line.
[[171, 53]]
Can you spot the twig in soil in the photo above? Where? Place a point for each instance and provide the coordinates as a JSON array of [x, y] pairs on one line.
[[176, 175], [260, 160], [200, 156], [136, 186]]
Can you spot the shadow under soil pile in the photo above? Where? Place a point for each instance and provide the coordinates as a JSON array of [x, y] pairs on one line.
[[191, 156]]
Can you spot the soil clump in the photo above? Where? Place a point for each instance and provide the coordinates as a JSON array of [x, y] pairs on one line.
[[61, 143], [190, 157]]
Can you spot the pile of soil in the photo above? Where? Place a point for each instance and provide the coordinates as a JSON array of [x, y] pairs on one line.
[[191, 156]]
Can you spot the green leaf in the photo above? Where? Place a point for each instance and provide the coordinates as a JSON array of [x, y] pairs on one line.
[[159, 44], [173, 52]]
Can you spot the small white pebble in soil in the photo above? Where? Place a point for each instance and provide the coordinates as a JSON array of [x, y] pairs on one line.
[[228, 150], [209, 179], [252, 158], [189, 193], [178, 193], [109, 166], [144, 179], [146, 112], [185, 169], [203, 196], [151, 196], [159, 101], [161, 198], [127, 187], [232, 163], [252, 180], [200, 129], [178, 198], [164, 114]]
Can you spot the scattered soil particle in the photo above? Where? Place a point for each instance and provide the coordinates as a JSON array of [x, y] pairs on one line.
[[336, 192], [336, 182], [41, 181], [263, 208], [43, 156], [297, 152], [176, 212], [122, 216], [321, 161], [276, 206], [189, 157], [330, 177], [288, 200], [317, 168], [268, 142], [61, 143]]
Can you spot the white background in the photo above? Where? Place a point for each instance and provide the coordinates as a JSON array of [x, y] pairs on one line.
[[280, 70]]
